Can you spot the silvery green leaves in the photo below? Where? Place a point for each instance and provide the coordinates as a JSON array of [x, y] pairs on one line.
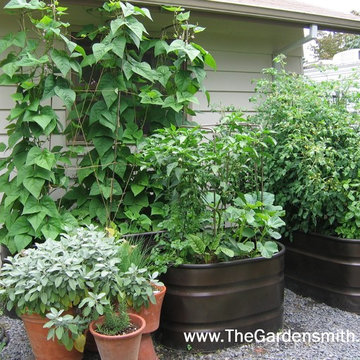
[[139, 286], [67, 329], [80, 270]]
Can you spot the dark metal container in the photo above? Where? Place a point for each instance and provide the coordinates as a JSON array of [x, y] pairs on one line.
[[4, 253], [240, 295], [325, 268]]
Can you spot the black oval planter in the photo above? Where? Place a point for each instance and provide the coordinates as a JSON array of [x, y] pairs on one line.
[[325, 268], [4, 254], [243, 295]]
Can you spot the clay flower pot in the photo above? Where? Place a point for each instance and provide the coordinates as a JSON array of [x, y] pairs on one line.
[[119, 347], [42, 348], [151, 314]]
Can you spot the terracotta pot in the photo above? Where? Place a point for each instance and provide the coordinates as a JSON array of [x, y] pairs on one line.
[[119, 347], [151, 314], [42, 348]]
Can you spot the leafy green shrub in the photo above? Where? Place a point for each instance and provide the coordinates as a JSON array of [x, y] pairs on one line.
[[314, 169], [141, 84], [212, 193], [123, 85], [81, 272], [60, 274], [35, 169]]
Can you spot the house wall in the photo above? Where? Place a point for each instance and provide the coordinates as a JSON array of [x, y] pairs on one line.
[[242, 48]]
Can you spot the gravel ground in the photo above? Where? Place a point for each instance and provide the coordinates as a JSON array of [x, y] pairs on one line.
[[301, 315]]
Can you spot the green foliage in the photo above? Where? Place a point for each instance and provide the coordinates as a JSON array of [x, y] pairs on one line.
[[80, 274], [314, 167], [80, 270], [138, 85], [124, 86], [330, 43], [60, 274], [35, 169], [116, 322], [67, 329], [212, 191], [139, 286], [133, 252]]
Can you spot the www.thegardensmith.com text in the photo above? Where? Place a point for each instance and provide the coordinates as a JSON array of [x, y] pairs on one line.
[[260, 336]]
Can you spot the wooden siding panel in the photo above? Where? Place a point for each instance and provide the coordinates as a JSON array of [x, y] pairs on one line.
[[219, 100], [6, 102], [231, 81], [212, 118], [240, 61], [3, 122]]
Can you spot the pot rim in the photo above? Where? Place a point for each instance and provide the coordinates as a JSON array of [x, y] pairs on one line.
[[114, 337], [328, 237], [34, 317], [161, 289], [232, 262]]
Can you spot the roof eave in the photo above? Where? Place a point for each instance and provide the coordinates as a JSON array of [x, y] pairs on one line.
[[324, 22], [304, 19]]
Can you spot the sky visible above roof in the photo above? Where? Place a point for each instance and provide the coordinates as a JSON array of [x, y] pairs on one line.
[[344, 5], [318, 7]]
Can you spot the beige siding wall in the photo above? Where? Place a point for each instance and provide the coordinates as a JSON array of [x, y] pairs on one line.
[[242, 49], [233, 83]]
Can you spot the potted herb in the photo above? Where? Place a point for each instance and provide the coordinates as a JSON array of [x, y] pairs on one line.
[[145, 295], [314, 171], [59, 286], [220, 226], [143, 292], [118, 333]]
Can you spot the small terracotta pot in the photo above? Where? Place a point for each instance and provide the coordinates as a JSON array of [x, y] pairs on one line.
[[151, 314], [119, 347], [42, 348]]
